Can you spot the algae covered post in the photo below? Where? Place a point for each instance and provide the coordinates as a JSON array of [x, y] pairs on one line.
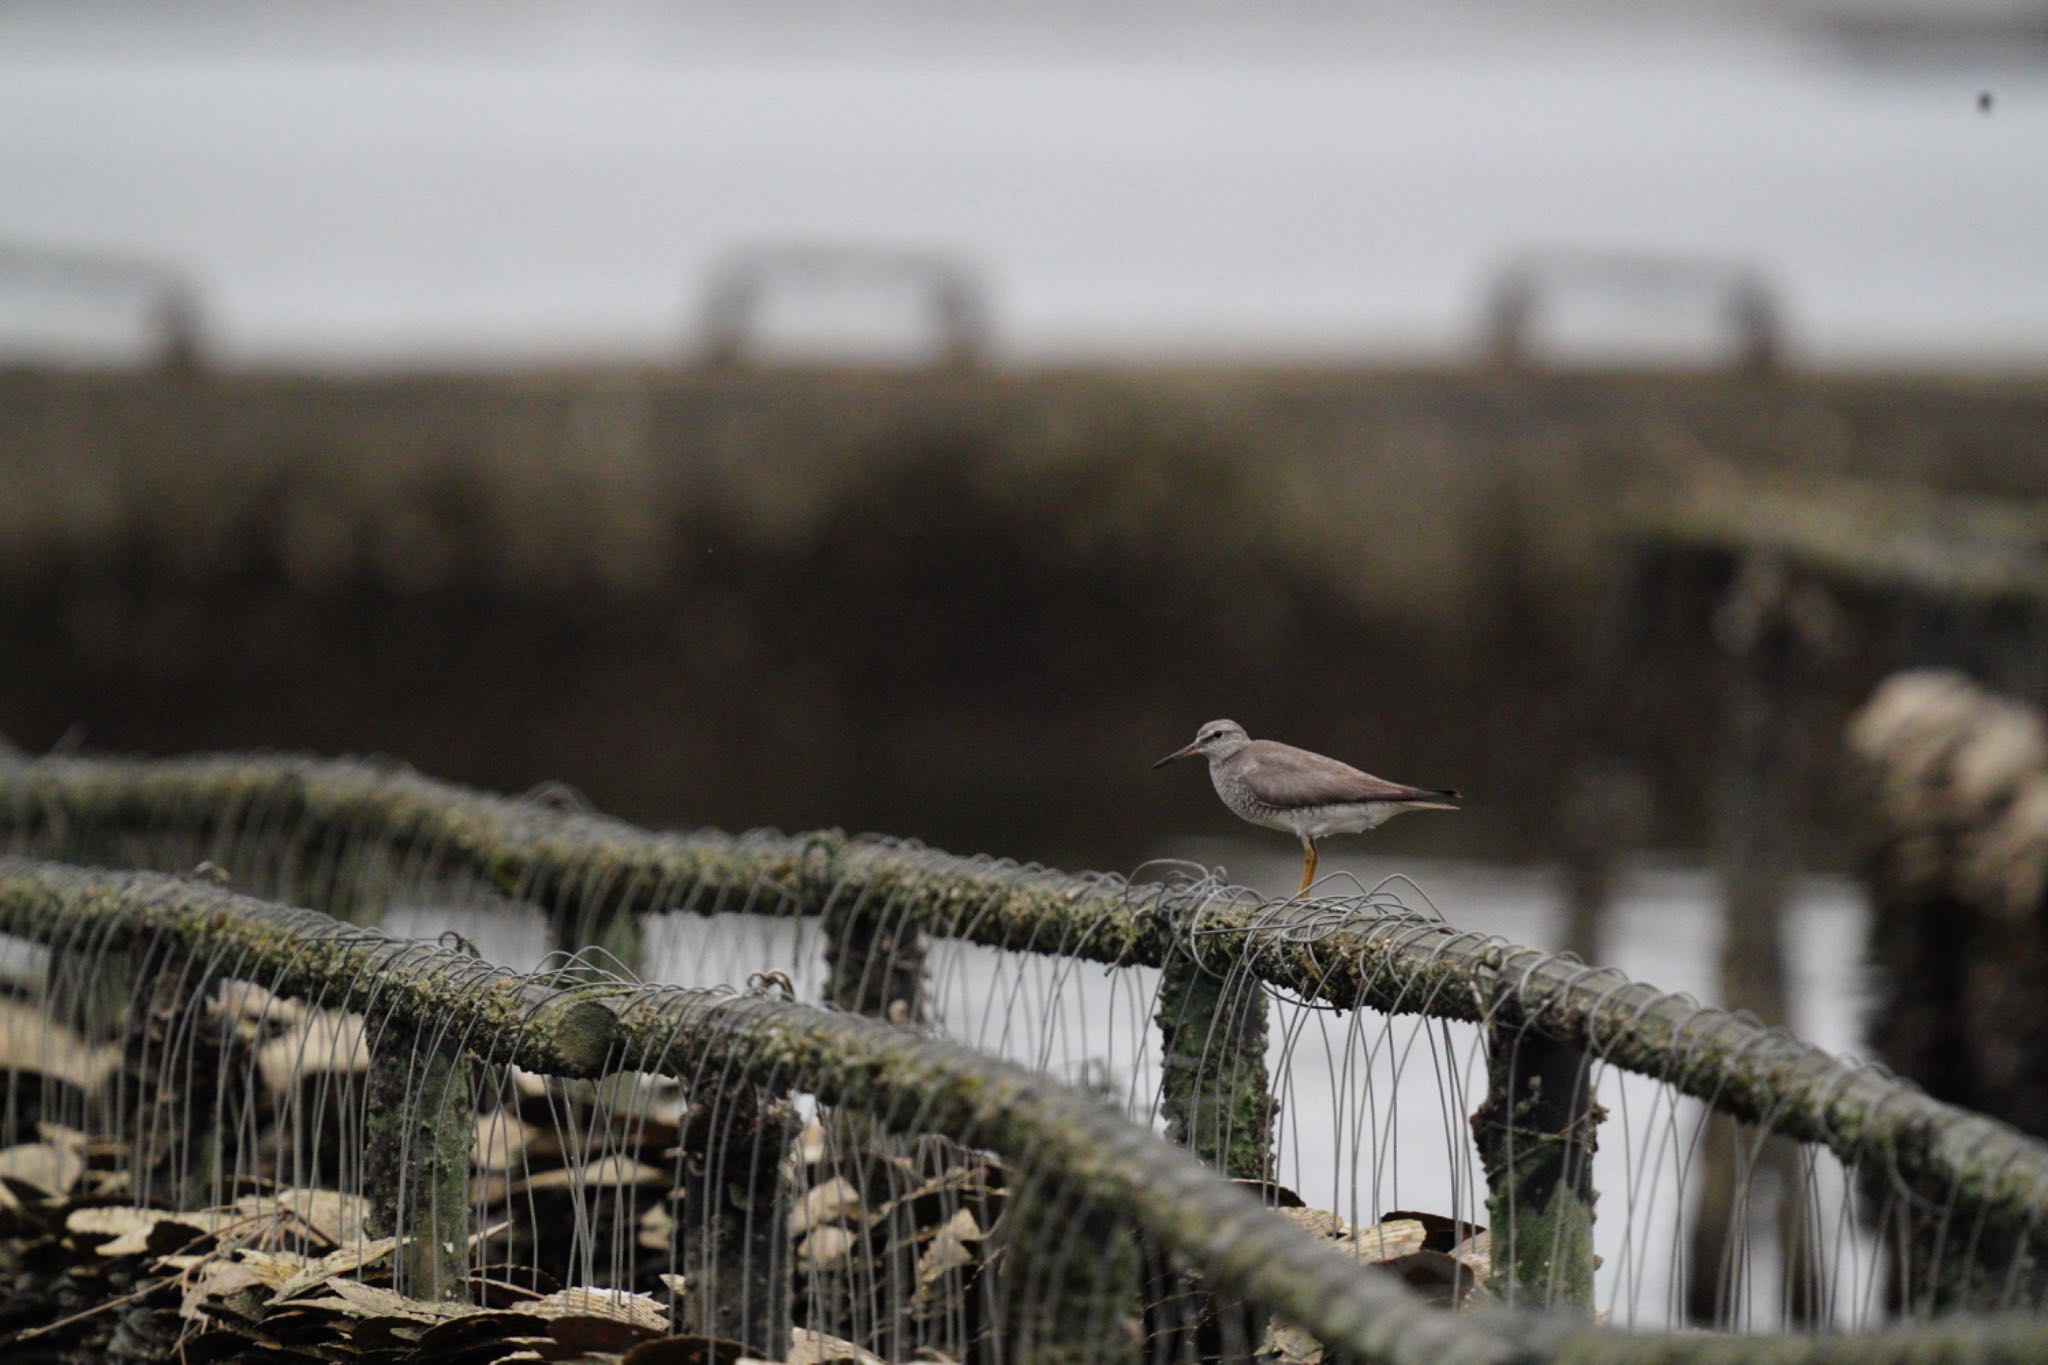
[[417, 1134], [1536, 1137], [1214, 1089]]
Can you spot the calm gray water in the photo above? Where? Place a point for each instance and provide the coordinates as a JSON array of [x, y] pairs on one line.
[[385, 184]]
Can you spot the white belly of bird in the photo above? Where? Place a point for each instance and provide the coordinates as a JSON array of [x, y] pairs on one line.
[[1313, 822]]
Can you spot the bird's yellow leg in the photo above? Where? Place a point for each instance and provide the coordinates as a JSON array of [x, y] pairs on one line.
[[1308, 866]]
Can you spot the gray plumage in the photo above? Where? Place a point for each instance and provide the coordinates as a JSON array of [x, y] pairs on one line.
[[1282, 787]]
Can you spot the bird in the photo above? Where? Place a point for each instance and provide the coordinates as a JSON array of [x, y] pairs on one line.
[[1281, 787]]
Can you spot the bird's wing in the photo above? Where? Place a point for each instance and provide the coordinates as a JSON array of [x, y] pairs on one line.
[[1283, 775]]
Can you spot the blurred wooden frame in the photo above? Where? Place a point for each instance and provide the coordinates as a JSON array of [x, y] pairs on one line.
[[743, 281], [1525, 286], [167, 299]]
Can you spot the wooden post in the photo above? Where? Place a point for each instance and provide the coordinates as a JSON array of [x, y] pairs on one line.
[[875, 964], [90, 987], [1607, 804], [737, 1275], [183, 1070], [1217, 1099], [417, 1137], [1214, 1089], [622, 935], [1536, 1135], [608, 919], [1603, 818], [1772, 628], [1071, 1271]]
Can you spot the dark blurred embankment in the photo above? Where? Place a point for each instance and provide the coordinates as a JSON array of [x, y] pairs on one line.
[[967, 606]]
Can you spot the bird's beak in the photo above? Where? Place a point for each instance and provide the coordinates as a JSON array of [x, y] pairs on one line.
[[1194, 748]]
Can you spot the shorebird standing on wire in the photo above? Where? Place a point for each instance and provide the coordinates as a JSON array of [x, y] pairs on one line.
[[1282, 787]]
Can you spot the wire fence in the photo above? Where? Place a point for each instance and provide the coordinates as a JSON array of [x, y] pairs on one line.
[[1160, 1035]]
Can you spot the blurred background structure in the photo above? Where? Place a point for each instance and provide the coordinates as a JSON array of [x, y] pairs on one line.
[[918, 419]]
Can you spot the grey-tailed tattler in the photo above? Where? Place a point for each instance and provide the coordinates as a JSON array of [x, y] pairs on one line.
[[1308, 795]]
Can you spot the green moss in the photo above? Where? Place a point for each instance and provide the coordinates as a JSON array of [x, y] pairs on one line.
[[1214, 1090], [735, 1251], [1097, 1165], [1071, 1272], [601, 867], [1536, 1135], [301, 952], [418, 1129]]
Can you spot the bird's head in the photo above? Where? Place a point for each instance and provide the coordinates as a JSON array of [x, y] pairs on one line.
[[1216, 740]]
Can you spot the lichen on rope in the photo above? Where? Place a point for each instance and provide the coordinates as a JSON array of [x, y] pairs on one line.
[[904, 1081], [287, 815]]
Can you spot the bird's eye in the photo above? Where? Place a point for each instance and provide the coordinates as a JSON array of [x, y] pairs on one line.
[[1213, 734]]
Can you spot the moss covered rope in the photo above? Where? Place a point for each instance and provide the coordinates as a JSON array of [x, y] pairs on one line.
[[907, 1082], [1349, 954], [910, 1082], [415, 987]]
